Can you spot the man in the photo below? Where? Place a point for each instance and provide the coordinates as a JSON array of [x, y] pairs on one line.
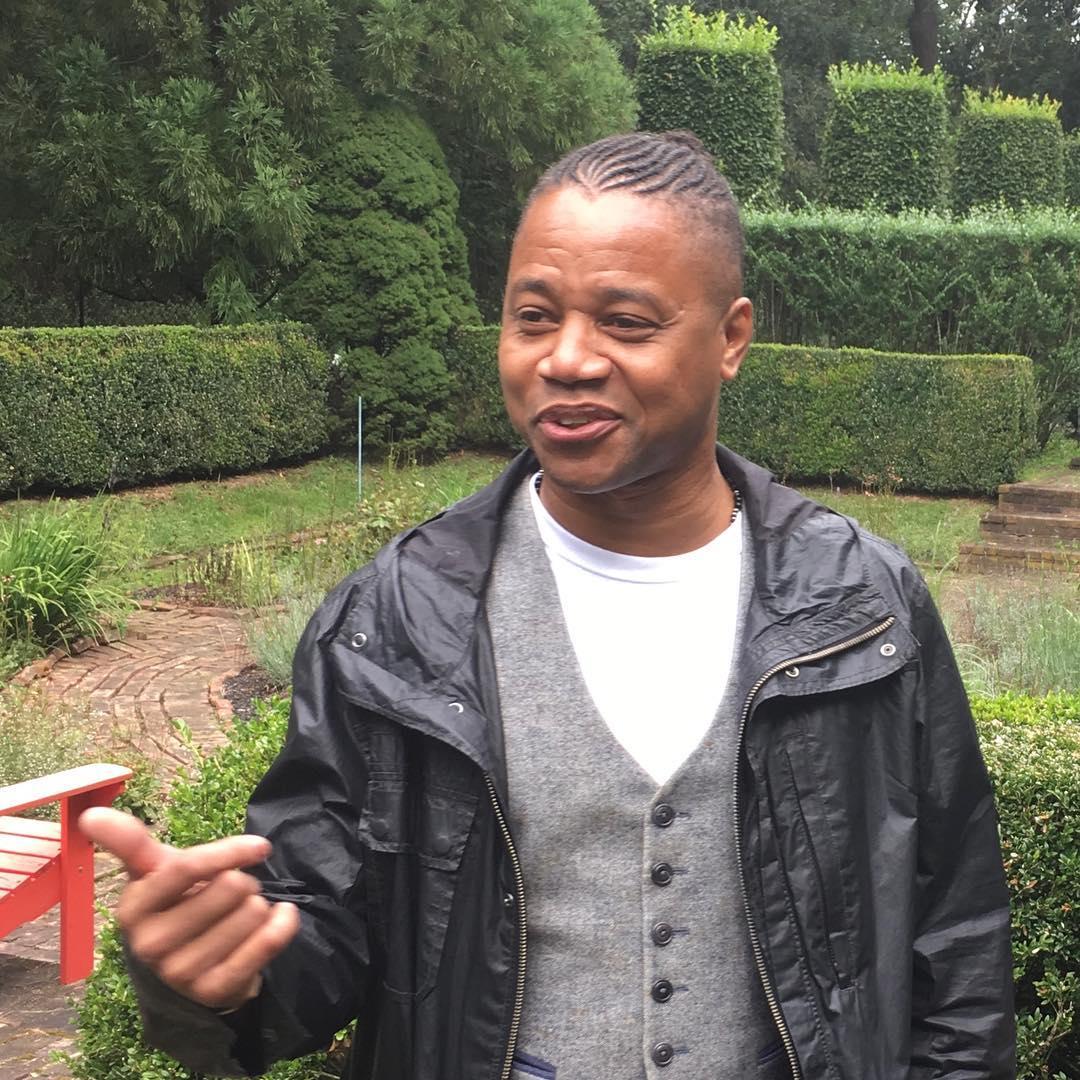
[[710, 731]]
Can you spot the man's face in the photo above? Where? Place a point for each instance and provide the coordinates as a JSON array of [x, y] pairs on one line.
[[616, 338]]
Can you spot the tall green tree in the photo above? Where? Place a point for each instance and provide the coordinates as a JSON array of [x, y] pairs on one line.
[[159, 150]]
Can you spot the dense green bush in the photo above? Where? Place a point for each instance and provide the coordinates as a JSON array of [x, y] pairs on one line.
[[480, 419], [103, 407], [889, 421], [717, 77], [886, 138], [1032, 748], [1008, 151], [1072, 169], [993, 283], [205, 808], [388, 278], [886, 420]]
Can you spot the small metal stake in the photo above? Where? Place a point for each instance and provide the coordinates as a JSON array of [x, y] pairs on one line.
[[359, 448]]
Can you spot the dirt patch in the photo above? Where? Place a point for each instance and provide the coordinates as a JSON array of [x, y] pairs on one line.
[[243, 688]]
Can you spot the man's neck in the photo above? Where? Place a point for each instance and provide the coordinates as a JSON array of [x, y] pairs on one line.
[[654, 517]]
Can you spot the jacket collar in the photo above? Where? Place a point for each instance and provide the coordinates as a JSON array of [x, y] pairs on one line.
[[418, 609]]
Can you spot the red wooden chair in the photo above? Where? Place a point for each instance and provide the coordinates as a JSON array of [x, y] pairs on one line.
[[43, 863]]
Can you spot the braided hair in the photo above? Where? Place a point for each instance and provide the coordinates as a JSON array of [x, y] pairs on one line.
[[672, 165]]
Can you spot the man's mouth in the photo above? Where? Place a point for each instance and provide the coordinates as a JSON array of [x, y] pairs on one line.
[[563, 423]]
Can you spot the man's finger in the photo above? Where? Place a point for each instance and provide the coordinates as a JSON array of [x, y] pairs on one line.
[[235, 979], [183, 868], [125, 837]]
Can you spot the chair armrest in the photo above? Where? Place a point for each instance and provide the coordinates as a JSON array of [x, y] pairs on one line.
[[61, 785]]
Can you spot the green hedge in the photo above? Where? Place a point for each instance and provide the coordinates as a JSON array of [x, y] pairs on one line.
[[993, 283], [480, 420], [886, 138], [1032, 748], [890, 421], [108, 406], [1072, 169], [1009, 151], [886, 420], [717, 77]]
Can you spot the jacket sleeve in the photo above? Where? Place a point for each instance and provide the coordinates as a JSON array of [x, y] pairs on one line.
[[308, 805], [963, 1024]]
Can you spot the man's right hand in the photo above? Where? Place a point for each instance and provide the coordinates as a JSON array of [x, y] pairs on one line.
[[190, 914]]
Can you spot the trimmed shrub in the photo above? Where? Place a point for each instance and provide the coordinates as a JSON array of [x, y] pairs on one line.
[[717, 77], [387, 278], [1032, 749], [480, 420], [993, 283], [886, 138], [1072, 169], [889, 421], [1009, 151], [885, 420], [103, 407]]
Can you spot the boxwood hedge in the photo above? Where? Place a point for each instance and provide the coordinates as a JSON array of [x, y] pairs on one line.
[[717, 77], [107, 406], [886, 420], [1032, 749], [991, 283], [886, 138], [1008, 151], [1072, 169]]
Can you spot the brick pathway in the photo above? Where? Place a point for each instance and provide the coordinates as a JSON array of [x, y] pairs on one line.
[[162, 670]]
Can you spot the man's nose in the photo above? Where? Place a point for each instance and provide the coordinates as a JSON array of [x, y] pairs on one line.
[[574, 357]]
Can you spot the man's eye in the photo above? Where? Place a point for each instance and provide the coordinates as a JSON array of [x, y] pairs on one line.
[[533, 315], [628, 322]]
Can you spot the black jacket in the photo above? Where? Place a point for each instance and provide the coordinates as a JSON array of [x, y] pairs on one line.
[[867, 840]]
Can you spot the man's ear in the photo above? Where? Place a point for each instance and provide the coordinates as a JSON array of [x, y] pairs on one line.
[[738, 331]]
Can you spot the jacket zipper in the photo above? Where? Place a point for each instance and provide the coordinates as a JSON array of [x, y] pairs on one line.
[[523, 941], [755, 940]]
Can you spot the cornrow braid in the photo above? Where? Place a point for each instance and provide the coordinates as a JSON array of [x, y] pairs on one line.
[[673, 164]]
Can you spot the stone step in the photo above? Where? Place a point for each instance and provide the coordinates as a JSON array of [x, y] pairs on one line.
[[1049, 526], [1039, 498], [994, 558], [1042, 543]]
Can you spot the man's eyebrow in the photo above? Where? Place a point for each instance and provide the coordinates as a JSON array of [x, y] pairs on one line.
[[533, 285]]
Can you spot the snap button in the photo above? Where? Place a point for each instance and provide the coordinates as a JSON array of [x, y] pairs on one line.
[[662, 934], [792, 673], [662, 1054], [456, 706], [662, 991], [663, 815], [358, 640], [888, 649], [508, 900], [661, 873]]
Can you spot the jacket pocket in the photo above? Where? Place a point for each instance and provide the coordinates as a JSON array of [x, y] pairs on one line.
[[417, 839], [819, 875]]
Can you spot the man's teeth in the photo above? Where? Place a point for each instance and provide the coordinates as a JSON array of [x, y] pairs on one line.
[[576, 422]]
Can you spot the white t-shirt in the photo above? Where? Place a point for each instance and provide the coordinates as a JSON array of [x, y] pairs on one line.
[[654, 637]]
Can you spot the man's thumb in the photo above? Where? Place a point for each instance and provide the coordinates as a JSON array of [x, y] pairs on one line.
[[125, 837]]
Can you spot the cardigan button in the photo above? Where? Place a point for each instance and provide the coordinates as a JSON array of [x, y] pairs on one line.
[[662, 934], [662, 990], [661, 873], [663, 1053], [663, 815]]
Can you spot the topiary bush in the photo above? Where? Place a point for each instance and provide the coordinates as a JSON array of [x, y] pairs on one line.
[[110, 1043], [1009, 151], [387, 278], [104, 407], [1072, 169], [1032, 749], [716, 76], [886, 138], [885, 420], [992, 283]]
